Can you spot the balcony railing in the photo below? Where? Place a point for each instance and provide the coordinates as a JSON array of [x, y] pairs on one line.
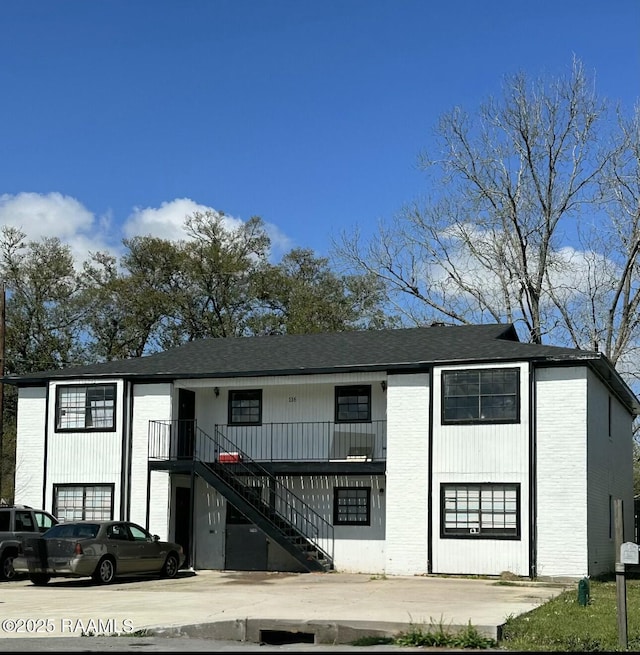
[[322, 441]]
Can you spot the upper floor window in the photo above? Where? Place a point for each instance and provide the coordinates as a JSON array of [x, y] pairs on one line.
[[481, 396], [90, 407], [353, 404], [245, 407]]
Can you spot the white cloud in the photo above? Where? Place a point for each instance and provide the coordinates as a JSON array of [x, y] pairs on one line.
[[166, 221], [55, 215], [45, 215]]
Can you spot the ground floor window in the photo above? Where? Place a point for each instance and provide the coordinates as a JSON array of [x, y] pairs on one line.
[[352, 506], [480, 510], [76, 502]]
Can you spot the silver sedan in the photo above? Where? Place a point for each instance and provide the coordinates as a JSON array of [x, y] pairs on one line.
[[101, 550]]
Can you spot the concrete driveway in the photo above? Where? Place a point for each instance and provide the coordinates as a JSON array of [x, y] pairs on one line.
[[259, 607]]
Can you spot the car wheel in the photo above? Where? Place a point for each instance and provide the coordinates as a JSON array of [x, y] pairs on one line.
[[7, 572], [39, 579], [170, 568], [105, 571]]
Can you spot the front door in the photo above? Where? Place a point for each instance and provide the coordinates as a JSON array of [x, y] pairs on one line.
[[186, 422], [182, 524], [245, 545]]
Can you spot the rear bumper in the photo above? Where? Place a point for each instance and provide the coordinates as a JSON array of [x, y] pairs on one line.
[[77, 566]]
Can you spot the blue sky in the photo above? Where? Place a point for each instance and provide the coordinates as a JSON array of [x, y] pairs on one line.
[[118, 117]]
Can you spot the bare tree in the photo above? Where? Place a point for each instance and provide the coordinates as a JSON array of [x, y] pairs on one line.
[[532, 219]]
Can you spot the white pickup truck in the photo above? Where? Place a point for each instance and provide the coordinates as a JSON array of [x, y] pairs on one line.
[[16, 522]]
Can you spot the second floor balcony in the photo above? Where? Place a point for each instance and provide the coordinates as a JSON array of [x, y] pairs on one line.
[[319, 441]]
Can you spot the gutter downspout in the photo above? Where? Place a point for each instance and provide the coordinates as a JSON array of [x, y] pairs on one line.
[[430, 480], [533, 471], [46, 453]]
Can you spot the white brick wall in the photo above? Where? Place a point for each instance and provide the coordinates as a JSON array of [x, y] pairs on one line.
[[407, 473], [150, 402], [30, 447], [561, 420]]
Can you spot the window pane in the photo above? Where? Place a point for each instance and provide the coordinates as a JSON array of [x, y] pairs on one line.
[[353, 404], [79, 502], [498, 515], [86, 407], [481, 395], [245, 406], [352, 506]]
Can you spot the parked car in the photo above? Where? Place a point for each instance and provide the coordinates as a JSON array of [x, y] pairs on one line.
[[101, 550], [17, 522]]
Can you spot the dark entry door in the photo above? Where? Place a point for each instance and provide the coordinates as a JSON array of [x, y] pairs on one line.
[[245, 545], [186, 422], [183, 522]]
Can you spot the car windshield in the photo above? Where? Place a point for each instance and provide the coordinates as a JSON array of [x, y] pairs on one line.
[[72, 531]]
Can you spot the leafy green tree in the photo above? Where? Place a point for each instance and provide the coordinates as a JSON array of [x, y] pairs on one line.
[[44, 312], [43, 323], [301, 294], [130, 303], [220, 262]]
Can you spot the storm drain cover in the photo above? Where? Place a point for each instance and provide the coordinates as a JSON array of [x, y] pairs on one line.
[[280, 637]]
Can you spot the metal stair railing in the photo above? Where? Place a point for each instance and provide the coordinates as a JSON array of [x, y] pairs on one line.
[[296, 521]]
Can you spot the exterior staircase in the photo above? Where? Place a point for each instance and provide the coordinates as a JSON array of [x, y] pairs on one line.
[[258, 494]]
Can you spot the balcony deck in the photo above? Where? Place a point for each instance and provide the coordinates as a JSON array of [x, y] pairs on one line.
[[280, 448]]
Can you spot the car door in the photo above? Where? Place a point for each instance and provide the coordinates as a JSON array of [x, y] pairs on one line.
[[150, 551], [122, 547], [44, 520], [24, 522]]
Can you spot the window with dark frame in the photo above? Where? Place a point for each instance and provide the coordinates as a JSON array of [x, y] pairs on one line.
[[490, 511], [78, 502], [481, 396], [353, 404], [245, 407], [86, 407], [352, 506]]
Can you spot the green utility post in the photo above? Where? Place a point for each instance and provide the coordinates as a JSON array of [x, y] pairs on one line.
[[583, 592]]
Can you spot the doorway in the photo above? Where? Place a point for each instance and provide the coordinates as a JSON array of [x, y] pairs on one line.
[[246, 546], [186, 422], [182, 524]]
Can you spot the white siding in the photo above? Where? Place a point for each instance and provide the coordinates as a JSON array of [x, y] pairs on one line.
[[407, 473], [492, 453], [288, 399], [311, 399], [357, 549], [150, 402], [610, 473], [30, 447], [561, 420], [85, 457]]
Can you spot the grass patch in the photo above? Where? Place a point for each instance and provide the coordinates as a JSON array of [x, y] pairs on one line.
[[435, 635], [562, 624], [439, 635]]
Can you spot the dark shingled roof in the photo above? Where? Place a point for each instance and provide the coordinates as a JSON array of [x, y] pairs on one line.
[[383, 350], [312, 353]]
